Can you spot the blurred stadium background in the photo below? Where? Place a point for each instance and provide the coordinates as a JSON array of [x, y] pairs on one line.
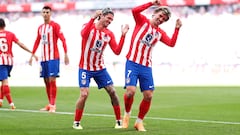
[[207, 51]]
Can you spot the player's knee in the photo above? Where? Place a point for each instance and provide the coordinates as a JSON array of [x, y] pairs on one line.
[[84, 95], [110, 89], [148, 98], [112, 93], [130, 94]]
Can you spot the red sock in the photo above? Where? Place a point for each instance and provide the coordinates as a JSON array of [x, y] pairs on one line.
[[1, 92], [78, 115], [48, 91], [117, 112], [143, 108], [53, 92], [6, 93], [128, 103]]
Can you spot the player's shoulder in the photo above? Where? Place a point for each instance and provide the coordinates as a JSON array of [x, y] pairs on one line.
[[8, 32], [160, 30], [54, 23], [108, 31]]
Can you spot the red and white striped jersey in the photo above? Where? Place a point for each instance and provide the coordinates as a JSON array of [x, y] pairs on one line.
[[47, 37], [145, 37], [94, 42], [6, 40]]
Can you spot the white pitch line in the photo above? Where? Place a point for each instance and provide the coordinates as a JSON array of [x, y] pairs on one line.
[[107, 115]]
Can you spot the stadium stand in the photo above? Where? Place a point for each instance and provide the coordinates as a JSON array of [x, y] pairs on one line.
[[208, 46]]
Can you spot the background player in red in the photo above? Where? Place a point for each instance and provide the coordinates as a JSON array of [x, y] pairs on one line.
[[95, 38], [7, 39], [138, 66], [47, 36]]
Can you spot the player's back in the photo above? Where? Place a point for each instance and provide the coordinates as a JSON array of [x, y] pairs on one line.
[[6, 40]]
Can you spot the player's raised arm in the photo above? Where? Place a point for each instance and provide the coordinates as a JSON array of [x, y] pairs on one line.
[[117, 48]]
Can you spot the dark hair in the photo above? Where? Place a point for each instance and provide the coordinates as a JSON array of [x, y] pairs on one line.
[[106, 11], [2, 23], [47, 7], [165, 10]]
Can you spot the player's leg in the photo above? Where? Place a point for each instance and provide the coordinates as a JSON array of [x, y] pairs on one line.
[[80, 104], [3, 76], [1, 96], [84, 82], [104, 80], [6, 92], [131, 73], [147, 87], [5, 71], [47, 87], [53, 73], [53, 94], [116, 105], [44, 75]]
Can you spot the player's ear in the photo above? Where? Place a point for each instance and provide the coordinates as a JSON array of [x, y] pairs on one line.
[[98, 18]]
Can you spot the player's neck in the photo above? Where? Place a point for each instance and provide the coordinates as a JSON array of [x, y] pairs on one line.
[[153, 24], [1, 29], [99, 26], [47, 21]]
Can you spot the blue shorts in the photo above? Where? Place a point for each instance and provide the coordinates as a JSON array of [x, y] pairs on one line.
[[5, 71], [135, 72], [49, 68], [101, 77]]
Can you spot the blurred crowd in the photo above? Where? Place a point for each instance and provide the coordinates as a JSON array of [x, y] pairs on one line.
[[32, 1], [210, 34], [180, 11]]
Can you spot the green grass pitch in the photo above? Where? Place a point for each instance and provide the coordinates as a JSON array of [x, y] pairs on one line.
[[174, 111]]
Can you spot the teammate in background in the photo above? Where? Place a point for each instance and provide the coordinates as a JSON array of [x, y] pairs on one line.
[[139, 64], [47, 37], [95, 38], [7, 39]]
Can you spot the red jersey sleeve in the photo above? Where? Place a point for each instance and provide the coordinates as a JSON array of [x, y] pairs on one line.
[[167, 40], [117, 48], [37, 41], [86, 28], [138, 17], [61, 36]]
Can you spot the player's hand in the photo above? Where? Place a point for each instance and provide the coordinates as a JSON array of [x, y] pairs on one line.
[[178, 23], [125, 29], [156, 2], [97, 14], [31, 59], [35, 57], [66, 59]]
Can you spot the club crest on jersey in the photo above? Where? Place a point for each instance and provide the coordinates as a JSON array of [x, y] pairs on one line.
[[106, 38], [127, 80], [97, 46], [148, 38], [156, 34]]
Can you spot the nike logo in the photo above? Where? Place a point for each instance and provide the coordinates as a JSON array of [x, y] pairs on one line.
[[109, 81], [151, 87]]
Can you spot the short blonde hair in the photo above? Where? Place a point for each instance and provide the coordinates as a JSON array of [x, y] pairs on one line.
[[165, 10]]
